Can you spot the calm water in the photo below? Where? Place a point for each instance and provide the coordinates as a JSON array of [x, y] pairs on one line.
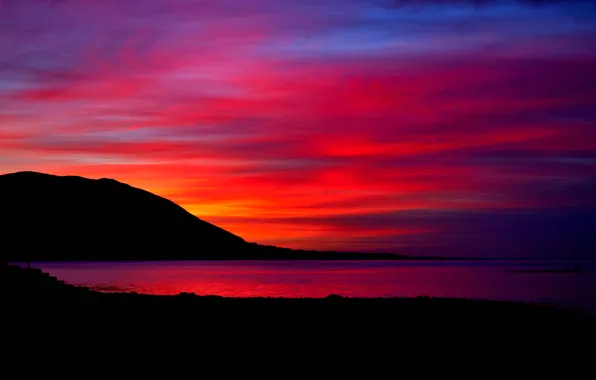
[[467, 279]]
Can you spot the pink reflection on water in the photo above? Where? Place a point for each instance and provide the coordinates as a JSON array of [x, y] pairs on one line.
[[482, 280]]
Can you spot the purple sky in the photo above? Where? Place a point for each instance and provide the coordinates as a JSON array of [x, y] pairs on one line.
[[443, 127]]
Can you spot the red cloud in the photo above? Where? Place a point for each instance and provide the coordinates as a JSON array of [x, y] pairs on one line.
[[218, 123]]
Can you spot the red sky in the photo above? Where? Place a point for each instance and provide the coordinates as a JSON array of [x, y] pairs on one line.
[[352, 124]]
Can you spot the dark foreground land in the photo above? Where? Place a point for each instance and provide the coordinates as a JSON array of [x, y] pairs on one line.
[[38, 309]]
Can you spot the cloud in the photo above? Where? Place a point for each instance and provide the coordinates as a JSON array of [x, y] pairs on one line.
[[403, 3], [303, 114], [529, 233]]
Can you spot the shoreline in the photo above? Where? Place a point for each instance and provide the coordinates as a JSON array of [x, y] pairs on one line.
[[22, 285], [42, 307]]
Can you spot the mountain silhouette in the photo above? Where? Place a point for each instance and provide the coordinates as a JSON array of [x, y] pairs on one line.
[[50, 216], [47, 217]]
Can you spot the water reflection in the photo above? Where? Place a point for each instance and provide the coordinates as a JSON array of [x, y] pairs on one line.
[[483, 280]]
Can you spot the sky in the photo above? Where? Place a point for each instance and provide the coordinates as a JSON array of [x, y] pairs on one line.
[[456, 127]]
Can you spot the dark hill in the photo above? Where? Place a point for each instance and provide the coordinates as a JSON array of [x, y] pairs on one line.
[[78, 218], [47, 217]]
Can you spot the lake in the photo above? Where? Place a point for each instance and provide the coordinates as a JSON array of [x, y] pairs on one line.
[[462, 279]]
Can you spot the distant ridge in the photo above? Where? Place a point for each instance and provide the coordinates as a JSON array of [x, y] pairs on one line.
[[45, 217]]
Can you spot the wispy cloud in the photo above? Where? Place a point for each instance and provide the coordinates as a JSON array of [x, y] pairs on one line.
[[303, 115]]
